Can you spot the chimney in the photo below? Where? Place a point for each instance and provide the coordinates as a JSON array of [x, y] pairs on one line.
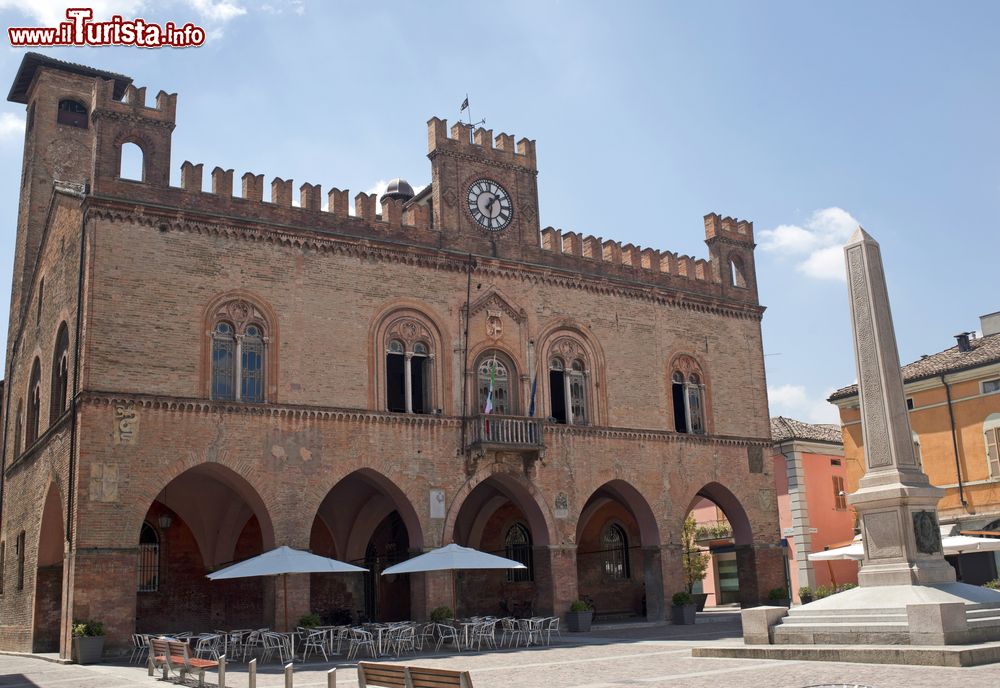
[[963, 341], [990, 324]]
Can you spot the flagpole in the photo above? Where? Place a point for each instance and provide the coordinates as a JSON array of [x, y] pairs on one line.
[[465, 364]]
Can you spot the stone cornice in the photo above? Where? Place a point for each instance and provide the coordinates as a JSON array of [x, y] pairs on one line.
[[478, 160], [299, 412], [387, 250]]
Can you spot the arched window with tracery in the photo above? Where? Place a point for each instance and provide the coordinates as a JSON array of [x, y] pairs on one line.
[[149, 559], [569, 382], [60, 374], [614, 548], [496, 384], [688, 396], [517, 546], [239, 353], [34, 404], [408, 349]]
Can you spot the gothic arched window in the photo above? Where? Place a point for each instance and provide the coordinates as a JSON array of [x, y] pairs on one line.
[[34, 403], [407, 344], [568, 383], [517, 546], [149, 559], [60, 374], [688, 397], [18, 425], [614, 546], [239, 353], [495, 384]]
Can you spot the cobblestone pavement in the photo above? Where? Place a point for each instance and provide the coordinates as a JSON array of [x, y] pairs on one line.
[[643, 655]]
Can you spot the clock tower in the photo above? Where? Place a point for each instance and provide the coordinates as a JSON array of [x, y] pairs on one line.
[[484, 191]]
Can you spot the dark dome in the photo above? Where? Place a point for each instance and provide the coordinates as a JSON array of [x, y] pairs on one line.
[[399, 188]]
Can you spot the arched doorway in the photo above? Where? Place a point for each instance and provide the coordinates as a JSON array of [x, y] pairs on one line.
[[204, 519], [367, 520], [719, 532], [49, 576], [615, 536], [500, 516]]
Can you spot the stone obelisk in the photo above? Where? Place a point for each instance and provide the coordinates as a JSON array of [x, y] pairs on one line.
[[895, 503]]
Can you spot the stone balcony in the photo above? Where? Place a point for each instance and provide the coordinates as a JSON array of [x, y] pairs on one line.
[[507, 433]]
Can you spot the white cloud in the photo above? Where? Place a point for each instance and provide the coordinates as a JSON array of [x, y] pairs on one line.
[[52, 12], [11, 126], [279, 7], [219, 11], [793, 401], [816, 245]]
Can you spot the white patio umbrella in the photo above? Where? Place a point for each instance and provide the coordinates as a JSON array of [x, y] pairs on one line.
[[952, 544], [854, 551], [280, 562], [452, 558]]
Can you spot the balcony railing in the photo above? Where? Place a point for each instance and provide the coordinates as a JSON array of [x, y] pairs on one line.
[[507, 432]]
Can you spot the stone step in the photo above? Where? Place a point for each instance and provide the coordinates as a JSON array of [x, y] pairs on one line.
[[841, 618]]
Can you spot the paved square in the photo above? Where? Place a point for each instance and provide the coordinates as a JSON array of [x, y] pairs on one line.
[[651, 656]]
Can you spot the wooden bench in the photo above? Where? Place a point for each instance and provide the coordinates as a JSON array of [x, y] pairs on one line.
[[173, 655], [399, 676]]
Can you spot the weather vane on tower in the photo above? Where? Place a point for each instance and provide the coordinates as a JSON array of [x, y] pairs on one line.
[[465, 106]]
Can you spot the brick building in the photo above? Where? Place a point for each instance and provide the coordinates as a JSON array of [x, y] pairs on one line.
[[195, 376]]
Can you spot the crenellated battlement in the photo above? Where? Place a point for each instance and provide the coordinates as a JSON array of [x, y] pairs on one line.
[[382, 214], [480, 143], [730, 228], [614, 253], [133, 103]]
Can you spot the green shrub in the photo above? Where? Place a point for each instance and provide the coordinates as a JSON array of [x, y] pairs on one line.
[[579, 606], [311, 620], [777, 594], [88, 628], [805, 591], [682, 598], [846, 586], [993, 584], [823, 591], [440, 614]]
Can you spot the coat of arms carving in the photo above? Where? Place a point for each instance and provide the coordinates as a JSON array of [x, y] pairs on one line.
[[494, 324]]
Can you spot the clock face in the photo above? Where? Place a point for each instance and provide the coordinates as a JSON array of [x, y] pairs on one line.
[[490, 205]]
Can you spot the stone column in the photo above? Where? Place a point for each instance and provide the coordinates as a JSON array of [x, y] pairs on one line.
[[561, 579], [656, 597], [896, 505], [761, 568], [799, 508]]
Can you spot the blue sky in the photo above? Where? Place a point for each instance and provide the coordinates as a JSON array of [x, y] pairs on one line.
[[803, 117]]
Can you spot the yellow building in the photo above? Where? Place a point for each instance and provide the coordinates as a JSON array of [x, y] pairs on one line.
[[954, 402]]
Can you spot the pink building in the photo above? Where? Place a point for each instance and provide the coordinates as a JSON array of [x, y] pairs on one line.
[[809, 481]]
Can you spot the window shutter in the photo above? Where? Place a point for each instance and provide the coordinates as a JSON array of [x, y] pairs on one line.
[[993, 451]]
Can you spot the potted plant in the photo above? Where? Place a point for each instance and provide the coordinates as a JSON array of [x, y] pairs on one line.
[[695, 561], [805, 594], [579, 617], [683, 610], [310, 621], [779, 597], [88, 641], [441, 614]]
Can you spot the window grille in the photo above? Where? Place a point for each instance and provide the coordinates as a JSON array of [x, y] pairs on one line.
[[149, 559], [518, 547], [20, 560], [615, 550]]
